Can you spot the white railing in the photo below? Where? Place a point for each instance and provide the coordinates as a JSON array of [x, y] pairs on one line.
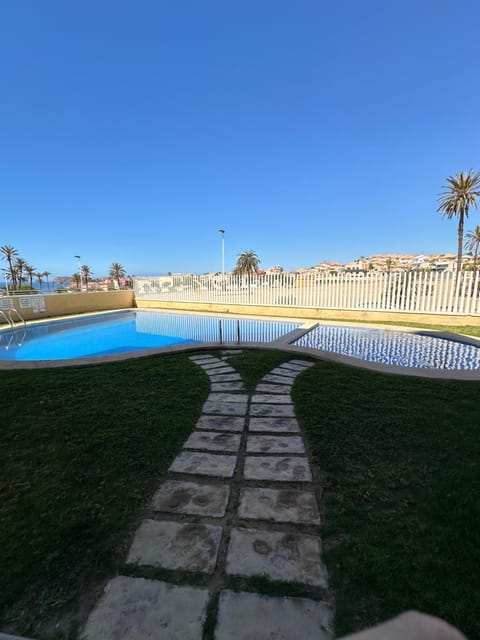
[[412, 291]]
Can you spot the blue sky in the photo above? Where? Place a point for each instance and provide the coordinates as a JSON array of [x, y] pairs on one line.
[[132, 131]]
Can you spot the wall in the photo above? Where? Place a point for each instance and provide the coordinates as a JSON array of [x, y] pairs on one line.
[[61, 304], [316, 314]]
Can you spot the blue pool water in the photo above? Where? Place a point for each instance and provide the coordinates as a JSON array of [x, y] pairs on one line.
[[397, 348], [128, 331]]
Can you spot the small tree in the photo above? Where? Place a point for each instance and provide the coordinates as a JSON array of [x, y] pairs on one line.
[[472, 244], [31, 272], [86, 272], [8, 254], [247, 263]]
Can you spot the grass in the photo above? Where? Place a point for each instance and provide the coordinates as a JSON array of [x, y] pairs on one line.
[[400, 459], [81, 452]]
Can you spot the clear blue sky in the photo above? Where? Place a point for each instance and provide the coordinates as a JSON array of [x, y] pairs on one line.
[[132, 130]]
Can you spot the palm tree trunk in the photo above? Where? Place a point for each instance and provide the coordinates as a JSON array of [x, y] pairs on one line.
[[460, 245]]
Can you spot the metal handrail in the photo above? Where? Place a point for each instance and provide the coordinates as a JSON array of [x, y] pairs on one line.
[[22, 319], [7, 319]]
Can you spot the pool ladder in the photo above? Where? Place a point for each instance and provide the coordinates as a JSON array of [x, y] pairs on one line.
[[13, 329], [220, 332]]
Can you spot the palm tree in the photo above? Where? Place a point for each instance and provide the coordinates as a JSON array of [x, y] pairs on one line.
[[31, 272], [45, 274], [8, 254], [85, 269], [76, 280], [461, 193], [116, 272], [19, 266], [247, 263], [473, 244], [39, 277]]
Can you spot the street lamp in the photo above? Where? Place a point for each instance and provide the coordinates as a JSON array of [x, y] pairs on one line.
[[222, 231], [79, 272]]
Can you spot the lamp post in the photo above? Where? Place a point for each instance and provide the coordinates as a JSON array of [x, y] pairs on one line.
[[222, 232], [79, 272]]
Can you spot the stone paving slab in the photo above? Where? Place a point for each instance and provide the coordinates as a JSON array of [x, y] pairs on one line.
[[289, 557], [281, 425], [304, 363], [281, 410], [221, 423], [140, 609], [227, 386], [272, 388], [279, 505], [179, 496], [275, 444], [204, 464], [250, 616], [287, 373], [202, 356], [217, 369], [212, 441], [225, 408], [176, 545], [232, 352], [272, 398], [294, 366], [225, 377], [228, 397], [280, 379], [277, 469]]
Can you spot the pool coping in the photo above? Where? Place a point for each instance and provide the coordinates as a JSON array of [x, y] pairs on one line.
[[284, 343]]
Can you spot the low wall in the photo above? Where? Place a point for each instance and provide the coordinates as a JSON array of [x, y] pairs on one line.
[[63, 304], [316, 314]]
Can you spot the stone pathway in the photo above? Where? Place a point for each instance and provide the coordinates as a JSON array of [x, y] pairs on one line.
[[238, 502]]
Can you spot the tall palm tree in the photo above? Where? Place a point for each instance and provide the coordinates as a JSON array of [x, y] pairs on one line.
[[31, 272], [76, 280], [39, 277], [116, 272], [9, 253], [45, 274], [472, 244], [19, 267], [247, 263], [462, 191], [86, 272]]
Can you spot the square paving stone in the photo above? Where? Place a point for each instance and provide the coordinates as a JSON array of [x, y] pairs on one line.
[[140, 609], [280, 379], [204, 464], [281, 425], [272, 388], [217, 370], [227, 386], [221, 423], [289, 557], [226, 377], [287, 373], [225, 408], [303, 363], [283, 410], [251, 616], [176, 545], [228, 397], [212, 367], [279, 505], [203, 357], [212, 441], [272, 398], [277, 468], [232, 352], [293, 366], [275, 444], [177, 496]]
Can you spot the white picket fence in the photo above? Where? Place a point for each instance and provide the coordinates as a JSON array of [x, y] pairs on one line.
[[421, 292]]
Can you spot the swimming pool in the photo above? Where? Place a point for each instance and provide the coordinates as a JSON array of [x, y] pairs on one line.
[[129, 331], [398, 348]]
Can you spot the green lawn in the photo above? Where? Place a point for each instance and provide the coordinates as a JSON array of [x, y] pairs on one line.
[[82, 450]]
